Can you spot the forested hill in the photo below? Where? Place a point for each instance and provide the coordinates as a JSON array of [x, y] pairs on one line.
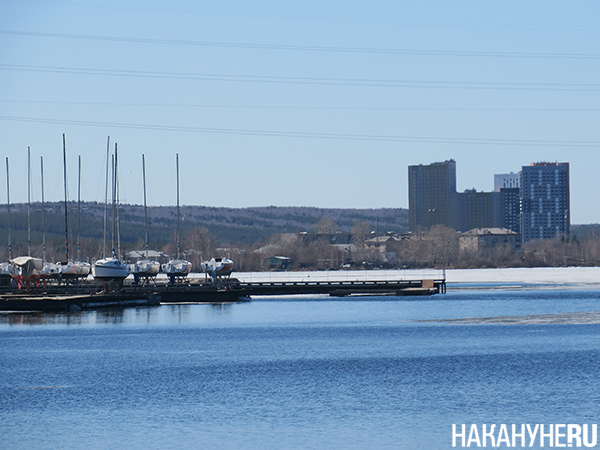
[[228, 225]]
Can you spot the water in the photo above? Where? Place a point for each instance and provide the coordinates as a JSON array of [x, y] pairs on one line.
[[304, 373]]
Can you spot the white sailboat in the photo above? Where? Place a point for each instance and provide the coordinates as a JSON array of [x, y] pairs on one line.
[[49, 270], [217, 267], [69, 269], [6, 271], [145, 268], [221, 267], [111, 270], [27, 269], [177, 268]]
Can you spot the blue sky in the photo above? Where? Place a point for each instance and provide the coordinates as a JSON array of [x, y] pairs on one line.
[[297, 103]]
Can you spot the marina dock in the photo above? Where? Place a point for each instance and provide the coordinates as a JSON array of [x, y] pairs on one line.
[[89, 295]]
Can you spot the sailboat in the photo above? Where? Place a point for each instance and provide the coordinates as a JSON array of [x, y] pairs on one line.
[[49, 270], [70, 270], [177, 268], [111, 270], [145, 268], [217, 267], [26, 269], [6, 268]]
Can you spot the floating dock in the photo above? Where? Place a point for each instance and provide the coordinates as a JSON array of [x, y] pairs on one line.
[[89, 295]]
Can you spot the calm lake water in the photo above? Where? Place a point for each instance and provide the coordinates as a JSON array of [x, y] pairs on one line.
[[297, 373]]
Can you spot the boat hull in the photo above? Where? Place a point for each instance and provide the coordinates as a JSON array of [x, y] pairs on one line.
[[177, 268], [146, 268], [220, 267], [110, 270], [74, 269], [26, 269]]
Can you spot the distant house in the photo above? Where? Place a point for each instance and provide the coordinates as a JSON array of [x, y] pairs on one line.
[[478, 238], [337, 237], [382, 241], [279, 263]]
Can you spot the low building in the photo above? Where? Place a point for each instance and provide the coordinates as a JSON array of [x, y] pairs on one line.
[[478, 238], [279, 263], [337, 237]]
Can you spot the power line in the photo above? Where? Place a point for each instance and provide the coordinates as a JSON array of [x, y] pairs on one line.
[[364, 82], [309, 135], [297, 107], [308, 48]]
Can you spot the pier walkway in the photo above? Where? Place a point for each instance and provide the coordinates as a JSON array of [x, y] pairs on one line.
[[90, 295]]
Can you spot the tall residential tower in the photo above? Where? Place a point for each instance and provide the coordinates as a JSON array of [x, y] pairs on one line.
[[432, 195], [544, 201]]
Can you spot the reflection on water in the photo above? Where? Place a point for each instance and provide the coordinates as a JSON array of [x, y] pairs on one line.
[[143, 315]]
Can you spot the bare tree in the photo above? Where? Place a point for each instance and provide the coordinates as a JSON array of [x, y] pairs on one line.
[[444, 245], [360, 232], [326, 226]]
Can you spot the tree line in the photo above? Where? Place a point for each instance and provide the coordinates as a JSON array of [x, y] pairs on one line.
[[310, 247]]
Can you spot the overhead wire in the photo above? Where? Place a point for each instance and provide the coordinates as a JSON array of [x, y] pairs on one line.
[[312, 135], [297, 107], [365, 82], [309, 48]]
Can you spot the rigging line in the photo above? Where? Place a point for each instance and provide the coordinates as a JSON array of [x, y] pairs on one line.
[[299, 134], [308, 48], [365, 82], [350, 108]]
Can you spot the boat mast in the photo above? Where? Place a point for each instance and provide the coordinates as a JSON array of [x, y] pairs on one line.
[[118, 213], [106, 196], [8, 207], [28, 201], [112, 160], [66, 209], [78, 207], [177, 232], [43, 213], [145, 207]]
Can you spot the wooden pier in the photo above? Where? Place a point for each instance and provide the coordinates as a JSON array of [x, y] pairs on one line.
[[89, 295]]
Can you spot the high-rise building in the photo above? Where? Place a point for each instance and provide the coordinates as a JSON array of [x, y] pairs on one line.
[[508, 184], [432, 195], [479, 210], [506, 181], [511, 208], [544, 201]]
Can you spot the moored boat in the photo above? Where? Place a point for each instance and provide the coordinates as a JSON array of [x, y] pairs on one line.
[[110, 270], [144, 268], [220, 267], [74, 269], [26, 269], [177, 268], [6, 270]]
